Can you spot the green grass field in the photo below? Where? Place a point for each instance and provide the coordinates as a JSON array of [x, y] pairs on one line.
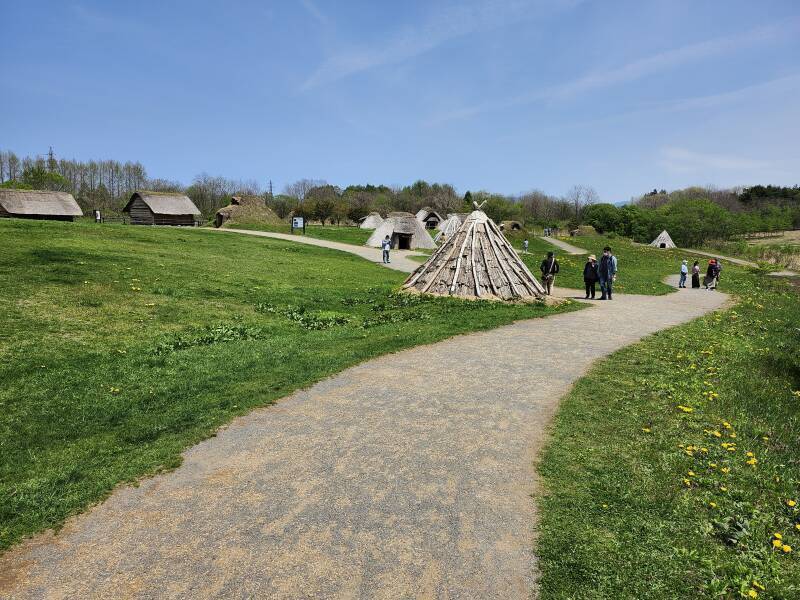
[[346, 235], [674, 466], [121, 346]]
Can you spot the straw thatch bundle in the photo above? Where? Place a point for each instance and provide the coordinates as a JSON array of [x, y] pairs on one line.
[[246, 209], [371, 221], [476, 262]]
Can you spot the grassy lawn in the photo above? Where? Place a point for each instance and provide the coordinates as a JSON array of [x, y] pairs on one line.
[[346, 235], [121, 346], [674, 466], [641, 268]]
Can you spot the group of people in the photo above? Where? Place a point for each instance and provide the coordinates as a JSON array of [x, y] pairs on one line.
[[603, 272], [711, 279]]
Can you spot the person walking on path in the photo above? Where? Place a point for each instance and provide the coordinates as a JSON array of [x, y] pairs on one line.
[[718, 272], [549, 268], [710, 280], [386, 245], [590, 276], [696, 275], [607, 271], [525, 246], [684, 273]]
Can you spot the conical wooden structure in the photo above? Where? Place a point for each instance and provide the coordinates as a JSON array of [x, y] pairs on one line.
[[476, 262], [448, 228], [663, 241]]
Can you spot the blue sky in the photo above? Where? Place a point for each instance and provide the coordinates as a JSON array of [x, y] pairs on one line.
[[504, 95]]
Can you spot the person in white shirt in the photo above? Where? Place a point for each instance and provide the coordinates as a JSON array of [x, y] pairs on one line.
[[386, 245]]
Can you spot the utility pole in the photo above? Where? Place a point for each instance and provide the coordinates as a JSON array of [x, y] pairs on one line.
[[270, 188]]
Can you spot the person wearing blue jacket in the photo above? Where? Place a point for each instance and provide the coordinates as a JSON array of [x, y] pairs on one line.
[[607, 270]]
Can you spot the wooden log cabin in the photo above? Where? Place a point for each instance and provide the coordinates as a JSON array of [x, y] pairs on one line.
[[38, 204], [161, 208]]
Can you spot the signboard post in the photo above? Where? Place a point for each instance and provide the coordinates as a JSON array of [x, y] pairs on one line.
[[299, 223]]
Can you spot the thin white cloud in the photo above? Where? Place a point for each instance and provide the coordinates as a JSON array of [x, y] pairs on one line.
[[418, 39], [682, 160], [313, 10], [633, 70]]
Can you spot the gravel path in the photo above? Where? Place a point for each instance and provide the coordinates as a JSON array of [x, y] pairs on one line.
[[399, 258], [409, 476], [568, 248]]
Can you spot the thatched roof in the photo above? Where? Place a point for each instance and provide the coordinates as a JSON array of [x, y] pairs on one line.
[[427, 212], [448, 228], [665, 239], [405, 223], [371, 221], [39, 202], [476, 262], [246, 208], [165, 203]]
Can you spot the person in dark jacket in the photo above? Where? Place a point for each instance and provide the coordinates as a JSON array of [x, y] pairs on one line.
[[549, 268], [607, 269], [590, 276], [710, 280], [696, 275]]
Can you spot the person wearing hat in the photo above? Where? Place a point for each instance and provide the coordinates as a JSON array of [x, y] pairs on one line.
[[549, 268], [710, 280], [684, 273], [590, 276]]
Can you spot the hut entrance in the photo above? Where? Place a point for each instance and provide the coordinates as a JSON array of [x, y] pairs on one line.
[[402, 241], [662, 245], [218, 220]]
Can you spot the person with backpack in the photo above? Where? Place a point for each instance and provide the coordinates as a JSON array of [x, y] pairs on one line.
[[607, 270], [590, 276], [549, 268], [710, 280], [386, 245]]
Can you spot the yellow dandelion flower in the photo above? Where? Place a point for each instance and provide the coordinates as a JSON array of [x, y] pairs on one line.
[[777, 543], [646, 429], [687, 483], [722, 488], [759, 586], [691, 473], [712, 504], [726, 425], [786, 548], [712, 465], [791, 503], [733, 435], [725, 469], [752, 594], [716, 434], [752, 462]]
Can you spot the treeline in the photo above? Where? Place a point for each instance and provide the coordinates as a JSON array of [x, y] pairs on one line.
[[697, 215]]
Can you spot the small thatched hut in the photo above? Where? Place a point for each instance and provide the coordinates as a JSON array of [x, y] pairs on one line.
[[405, 231], [38, 204], [510, 226], [663, 241], [250, 209], [161, 208], [429, 217], [476, 262], [371, 221], [448, 227]]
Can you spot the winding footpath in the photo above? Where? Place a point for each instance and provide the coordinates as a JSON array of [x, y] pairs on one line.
[[568, 248], [408, 476]]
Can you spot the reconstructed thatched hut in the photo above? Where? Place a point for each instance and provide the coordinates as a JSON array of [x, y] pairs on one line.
[[161, 208], [405, 231], [449, 227], [663, 241], [429, 217], [250, 209], [510, 226], [371, 221], [477, 262], [38, 204]]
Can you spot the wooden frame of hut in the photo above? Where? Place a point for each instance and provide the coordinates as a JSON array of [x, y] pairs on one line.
[[161, 208], [477, 263], [405, 231], [38, 204]]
